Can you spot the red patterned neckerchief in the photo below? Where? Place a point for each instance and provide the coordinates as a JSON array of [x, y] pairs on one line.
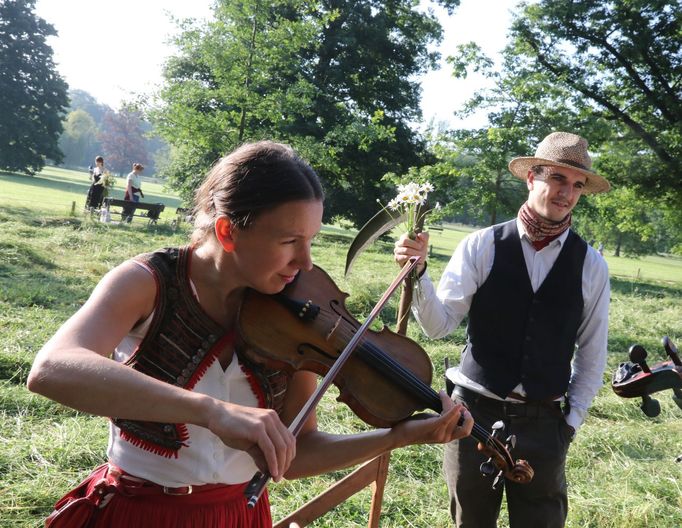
[[541, 231]]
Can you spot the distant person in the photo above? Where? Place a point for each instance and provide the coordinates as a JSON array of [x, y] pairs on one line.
[[601, 248], [133, 191], [96, 192]]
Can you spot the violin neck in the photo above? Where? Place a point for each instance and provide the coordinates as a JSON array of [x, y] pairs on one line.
[[412, 384]]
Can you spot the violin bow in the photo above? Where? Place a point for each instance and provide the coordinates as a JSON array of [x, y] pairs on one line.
[[257, 484]]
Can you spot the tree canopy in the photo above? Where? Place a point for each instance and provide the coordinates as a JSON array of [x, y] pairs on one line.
[[122, 141], [33, 96], [585, 67], [623, 60], [334, 79]]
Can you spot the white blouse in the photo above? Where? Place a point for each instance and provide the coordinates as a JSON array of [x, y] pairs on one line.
[[206, 460]]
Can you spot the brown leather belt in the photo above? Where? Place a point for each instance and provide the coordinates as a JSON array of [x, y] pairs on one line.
[[130, 485], [527, 409]]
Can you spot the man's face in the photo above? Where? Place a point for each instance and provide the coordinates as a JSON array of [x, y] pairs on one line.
[[555, 193]]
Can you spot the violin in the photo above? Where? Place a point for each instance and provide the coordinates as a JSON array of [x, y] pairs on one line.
[[637, 379], [385, 380]]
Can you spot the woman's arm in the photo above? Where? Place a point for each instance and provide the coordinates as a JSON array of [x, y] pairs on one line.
[[74, 369], [319, 452]]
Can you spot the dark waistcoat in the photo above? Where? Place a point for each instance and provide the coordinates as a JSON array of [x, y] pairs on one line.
[[515, 335], [180, 345]]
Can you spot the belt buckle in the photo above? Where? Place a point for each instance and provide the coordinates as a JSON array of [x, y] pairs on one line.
[[178, 491]]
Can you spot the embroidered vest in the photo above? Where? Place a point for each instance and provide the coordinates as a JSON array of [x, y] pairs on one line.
[[517, 335], [181, 343]]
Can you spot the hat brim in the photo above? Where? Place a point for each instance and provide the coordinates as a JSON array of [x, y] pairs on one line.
[[594, 183]]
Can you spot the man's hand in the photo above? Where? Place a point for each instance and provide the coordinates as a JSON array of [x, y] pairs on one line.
[[405, 248]]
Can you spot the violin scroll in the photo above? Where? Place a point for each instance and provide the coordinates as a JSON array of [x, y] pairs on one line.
[[500, 462], [637, 379]]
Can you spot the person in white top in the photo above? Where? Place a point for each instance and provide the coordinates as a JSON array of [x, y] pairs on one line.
[[133, 191], [537, 297], [154, 347]]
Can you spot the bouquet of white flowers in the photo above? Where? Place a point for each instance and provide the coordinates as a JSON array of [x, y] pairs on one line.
[[408, 208], [107, 181], [411, 202]]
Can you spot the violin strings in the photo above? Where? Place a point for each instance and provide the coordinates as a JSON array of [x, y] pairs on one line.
[[397, 372], [379, 360]]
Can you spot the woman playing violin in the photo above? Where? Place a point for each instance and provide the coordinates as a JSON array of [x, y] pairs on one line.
[[155, 348]]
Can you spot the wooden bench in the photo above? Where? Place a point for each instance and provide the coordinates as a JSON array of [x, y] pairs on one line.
[[152, 211]]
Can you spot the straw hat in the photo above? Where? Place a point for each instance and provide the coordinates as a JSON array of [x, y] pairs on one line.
[[562, 149]]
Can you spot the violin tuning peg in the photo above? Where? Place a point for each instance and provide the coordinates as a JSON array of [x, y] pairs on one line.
[[511, 441], [488, 468], [671, 350], [638, 355], [650, 406], [498, 428], [497, 480]]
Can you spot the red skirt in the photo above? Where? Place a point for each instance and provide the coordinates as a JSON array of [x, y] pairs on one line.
[[218, 508], [221, 507]]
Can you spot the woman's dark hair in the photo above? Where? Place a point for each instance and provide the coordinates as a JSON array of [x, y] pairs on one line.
[[99, 159], [254, 178], [138, 166]]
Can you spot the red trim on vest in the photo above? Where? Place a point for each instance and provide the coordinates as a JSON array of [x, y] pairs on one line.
[[212, 355], [255, 386], [180, 429]]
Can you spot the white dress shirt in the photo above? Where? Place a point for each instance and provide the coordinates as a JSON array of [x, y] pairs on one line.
[[440, 312]]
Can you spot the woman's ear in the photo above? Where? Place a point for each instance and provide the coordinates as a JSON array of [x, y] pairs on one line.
[[223, 232]]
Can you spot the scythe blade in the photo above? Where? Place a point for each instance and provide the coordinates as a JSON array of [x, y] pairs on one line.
[[379, 224]]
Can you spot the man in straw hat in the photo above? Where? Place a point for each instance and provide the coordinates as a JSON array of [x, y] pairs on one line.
[[537, 298]]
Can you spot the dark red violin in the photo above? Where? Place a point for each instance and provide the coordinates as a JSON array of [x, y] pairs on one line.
[[637, 379], [385, 380]]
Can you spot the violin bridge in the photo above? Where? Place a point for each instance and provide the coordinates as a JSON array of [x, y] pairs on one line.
[[332, 335]]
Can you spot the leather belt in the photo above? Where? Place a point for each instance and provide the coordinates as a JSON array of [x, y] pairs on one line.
[[130, 485], [528, 409]]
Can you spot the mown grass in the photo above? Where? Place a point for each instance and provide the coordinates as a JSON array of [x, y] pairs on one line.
[[59, 191], [621, 467]]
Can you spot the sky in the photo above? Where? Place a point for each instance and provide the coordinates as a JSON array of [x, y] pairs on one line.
[[115, 50]]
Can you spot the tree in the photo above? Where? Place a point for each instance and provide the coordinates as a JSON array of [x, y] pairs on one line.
[[82, 100], [33, 97], [122, 140], [623, 59], [522, 109], [79, 141], [334, 79]]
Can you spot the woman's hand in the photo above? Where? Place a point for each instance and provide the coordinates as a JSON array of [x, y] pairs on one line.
[[259, 432], [405, 248], [435, 429]]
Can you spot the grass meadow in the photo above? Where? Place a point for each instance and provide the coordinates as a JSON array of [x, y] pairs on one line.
[[621, 470]]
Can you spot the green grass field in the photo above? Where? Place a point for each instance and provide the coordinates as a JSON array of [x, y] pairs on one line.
[[56, 190], [621, 469]]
